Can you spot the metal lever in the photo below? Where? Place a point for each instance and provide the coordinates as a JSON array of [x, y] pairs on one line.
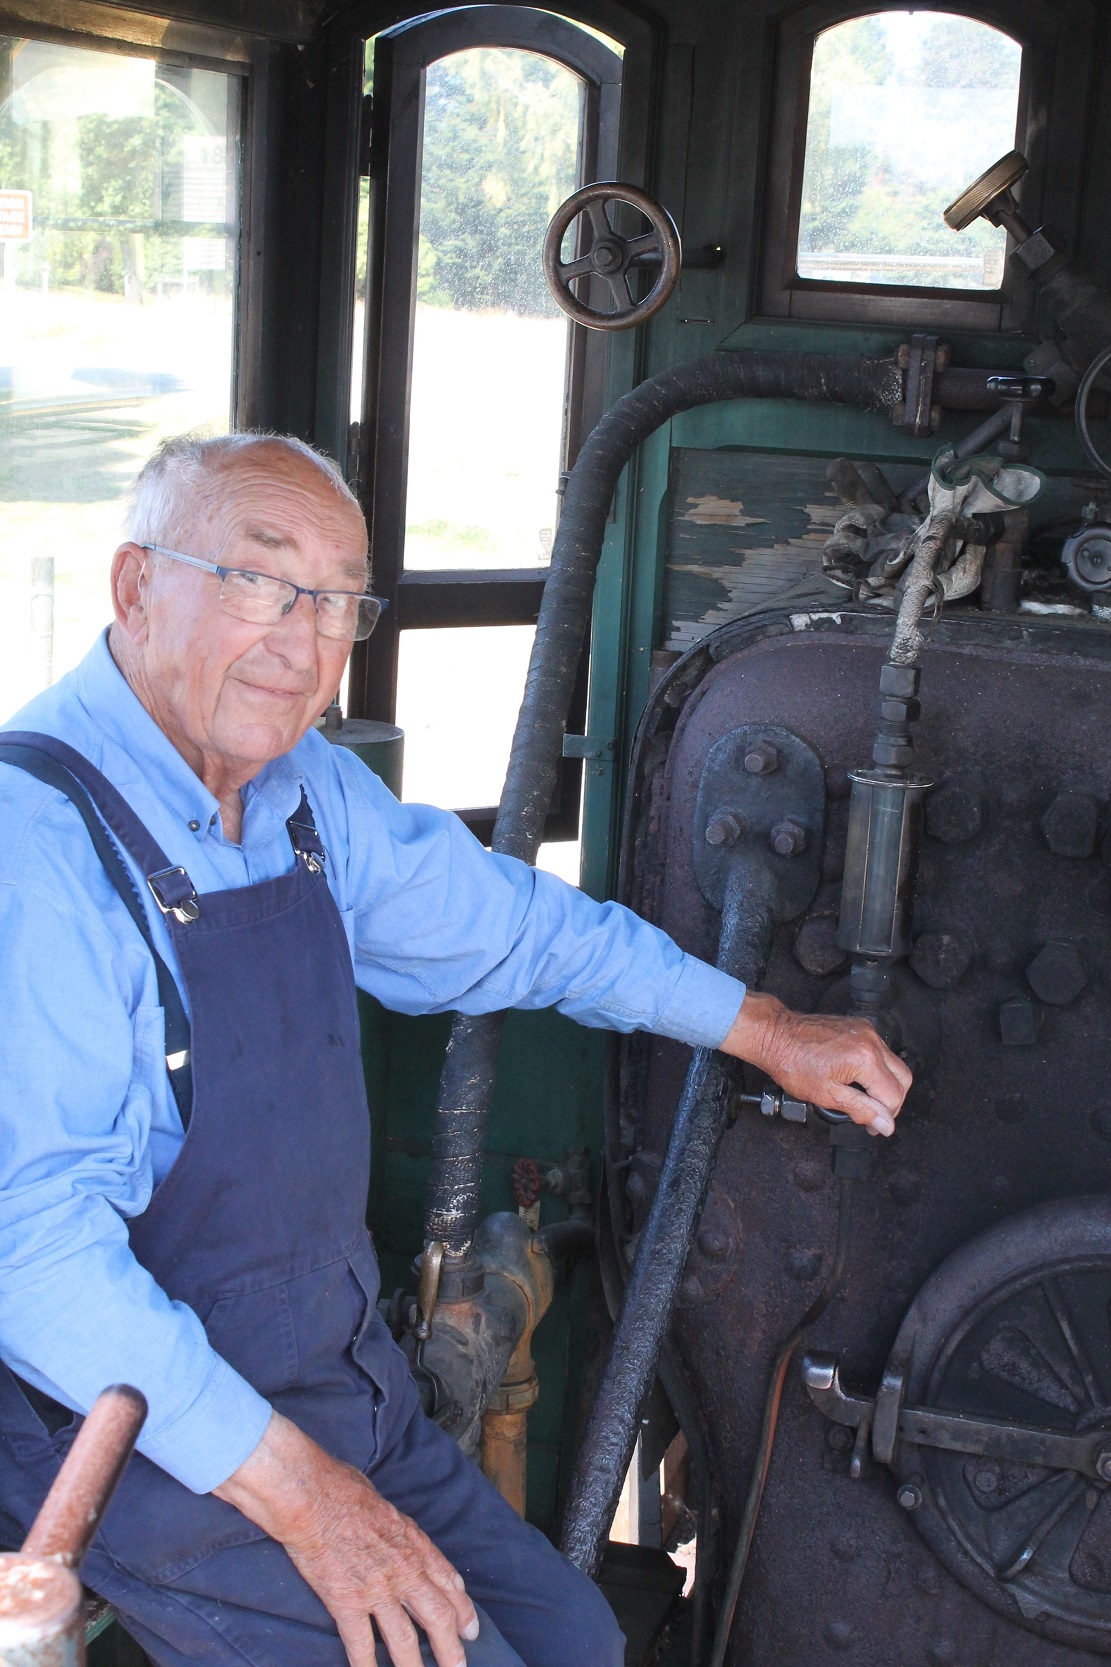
[[952, 1432], [774, 1102]]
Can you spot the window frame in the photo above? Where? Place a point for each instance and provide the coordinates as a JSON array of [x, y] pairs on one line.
[[1045, 40], [378, 459]]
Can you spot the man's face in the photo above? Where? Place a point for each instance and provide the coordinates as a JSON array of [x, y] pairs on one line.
[[234, 693]]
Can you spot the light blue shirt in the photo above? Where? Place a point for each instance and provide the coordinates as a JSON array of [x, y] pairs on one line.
[[88, 1125]]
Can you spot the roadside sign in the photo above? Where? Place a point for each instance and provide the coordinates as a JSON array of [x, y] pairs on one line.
[[15, 216]]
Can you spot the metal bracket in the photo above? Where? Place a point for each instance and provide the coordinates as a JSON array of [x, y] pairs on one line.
[[761, 799], [989, 1438], [919, 359]]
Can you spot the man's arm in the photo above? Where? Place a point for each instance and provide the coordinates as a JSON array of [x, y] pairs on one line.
[[441, 924]]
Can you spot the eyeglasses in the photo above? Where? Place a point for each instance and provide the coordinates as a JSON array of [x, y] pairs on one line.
[[259, 599]]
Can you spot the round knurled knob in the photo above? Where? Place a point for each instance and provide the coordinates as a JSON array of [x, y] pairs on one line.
[[976, 197]]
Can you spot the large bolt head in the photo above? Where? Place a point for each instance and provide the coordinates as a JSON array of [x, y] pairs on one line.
[[1057, 974], [909, 1496], [762, 759], [1070, 825], [724, 828], [788, 838], [953, 815]]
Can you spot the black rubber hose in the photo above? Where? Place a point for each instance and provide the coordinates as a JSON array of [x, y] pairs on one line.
[[466, 1086]]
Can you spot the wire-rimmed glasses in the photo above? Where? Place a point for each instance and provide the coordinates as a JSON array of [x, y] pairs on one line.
[[260, 599]]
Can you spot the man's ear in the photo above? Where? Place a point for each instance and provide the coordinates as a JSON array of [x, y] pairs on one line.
[[130, 583]]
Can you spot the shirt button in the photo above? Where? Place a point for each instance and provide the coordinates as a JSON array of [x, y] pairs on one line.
[[194, 827]]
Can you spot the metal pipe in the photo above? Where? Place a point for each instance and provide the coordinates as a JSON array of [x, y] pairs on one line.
[[452, 1199], [42, 1605], [747, 922], [771, 1418], [67, 1521]]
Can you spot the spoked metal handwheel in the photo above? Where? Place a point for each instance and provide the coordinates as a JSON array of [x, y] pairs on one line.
[[612, 256], [1016, 1329]]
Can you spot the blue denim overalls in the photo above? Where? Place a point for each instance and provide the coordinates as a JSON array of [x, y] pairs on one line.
[[259, 1228]]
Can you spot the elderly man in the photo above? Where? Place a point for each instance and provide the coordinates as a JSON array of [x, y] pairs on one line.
[[192, 883]]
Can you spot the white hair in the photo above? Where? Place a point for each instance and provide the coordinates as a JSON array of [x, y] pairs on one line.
[[175, 485]]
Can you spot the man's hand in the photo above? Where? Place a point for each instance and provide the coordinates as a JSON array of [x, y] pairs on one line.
[[357, 1552], [837, 1063]]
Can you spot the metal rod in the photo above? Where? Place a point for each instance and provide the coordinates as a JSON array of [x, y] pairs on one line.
[[64, 1527], [748, 918], [770, 1419]]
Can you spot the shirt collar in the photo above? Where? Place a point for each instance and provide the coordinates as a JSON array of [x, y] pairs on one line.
[[145, 754]]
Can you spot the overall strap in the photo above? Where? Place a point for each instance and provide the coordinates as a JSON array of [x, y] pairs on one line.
[[25, 751]]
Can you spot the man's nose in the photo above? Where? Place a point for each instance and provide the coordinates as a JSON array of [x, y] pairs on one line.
[[294, 636]]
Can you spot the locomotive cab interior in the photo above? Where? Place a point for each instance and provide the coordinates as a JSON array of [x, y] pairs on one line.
[[730, 383]]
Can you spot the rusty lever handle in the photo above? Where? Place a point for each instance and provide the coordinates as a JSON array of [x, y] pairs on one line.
[[64, 1527]]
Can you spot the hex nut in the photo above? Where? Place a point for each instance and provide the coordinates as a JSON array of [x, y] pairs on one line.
[[1018, 1023], [899, 680], [724, 828], [953, 814], [1070, 824], [940, 959], [909, 1496], [762, 759], [889, 754], [1103, 1464], [816, 948], [1057, 974], [788, 838]]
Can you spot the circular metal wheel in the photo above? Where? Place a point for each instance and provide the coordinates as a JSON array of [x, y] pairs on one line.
[[983, 191], [1016, 1325], [611, 256]]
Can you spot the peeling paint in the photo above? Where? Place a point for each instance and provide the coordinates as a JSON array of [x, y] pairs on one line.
[[710, 511]]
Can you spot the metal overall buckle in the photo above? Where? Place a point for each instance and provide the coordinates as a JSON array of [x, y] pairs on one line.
[[175, 894], [307, 845]]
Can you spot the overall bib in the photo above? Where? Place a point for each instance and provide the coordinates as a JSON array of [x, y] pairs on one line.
[[259, 1227]]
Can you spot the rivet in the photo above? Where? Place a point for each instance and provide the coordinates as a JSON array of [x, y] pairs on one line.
[[1103, 1464], [810, 1177], [940, 959], [1010, 1108], [713, 1243], [816, 948], [838, 1438], [986, 1480], [941, 1652], [839, 1635], [804, 1264]]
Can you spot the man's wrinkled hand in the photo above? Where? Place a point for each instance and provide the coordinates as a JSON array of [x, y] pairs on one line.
[[361, 1556], [838, 1063]]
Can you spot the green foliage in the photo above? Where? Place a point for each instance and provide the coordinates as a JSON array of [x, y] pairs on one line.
[[501, 141], [856, 200]]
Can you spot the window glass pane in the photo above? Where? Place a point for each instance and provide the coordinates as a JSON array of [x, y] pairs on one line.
[[116, 327], [501, 142], [906, 109], [458, 691]]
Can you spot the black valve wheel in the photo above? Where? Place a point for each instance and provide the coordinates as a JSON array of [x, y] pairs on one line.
[[611, 256], [1016, 1327]]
